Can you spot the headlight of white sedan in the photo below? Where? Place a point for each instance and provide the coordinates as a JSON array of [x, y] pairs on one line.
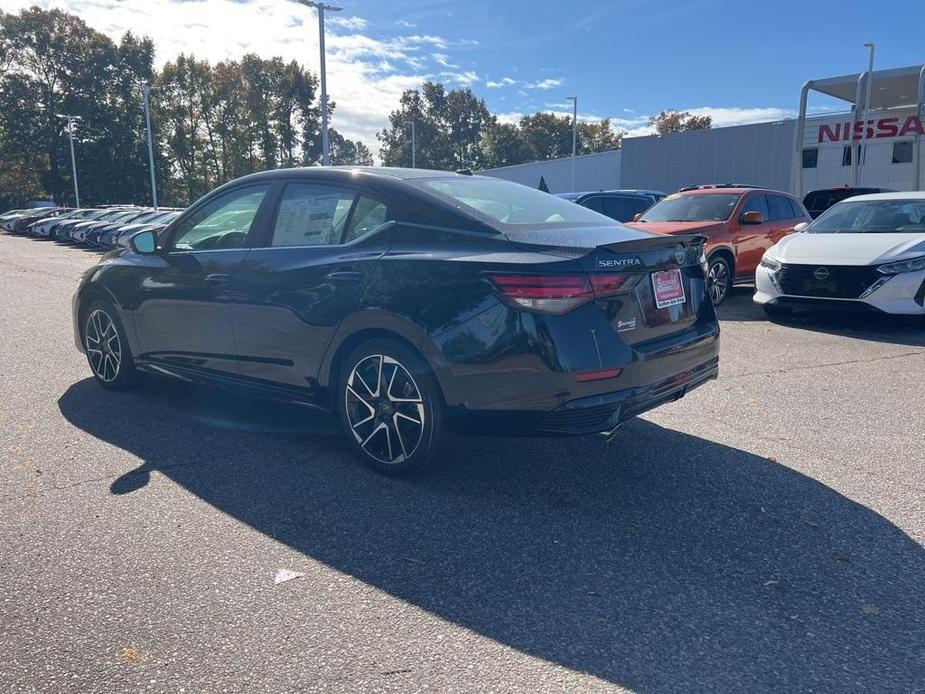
[[911, 265], [770, 263]]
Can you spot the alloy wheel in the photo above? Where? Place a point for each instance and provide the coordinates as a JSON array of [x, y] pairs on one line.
[[719, 281], [104, 349], [385, 410]]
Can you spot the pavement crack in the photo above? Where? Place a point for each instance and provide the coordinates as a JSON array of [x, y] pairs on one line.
[[812, 367]]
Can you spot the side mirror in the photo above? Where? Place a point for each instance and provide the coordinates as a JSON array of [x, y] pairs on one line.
[[637, 216], [801, 227], [752, 218], [144, 242]]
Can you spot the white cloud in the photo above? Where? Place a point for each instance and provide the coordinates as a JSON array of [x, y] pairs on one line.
[[466, 79], [352, 23], [503, 82], [366, 75], [545, 84]]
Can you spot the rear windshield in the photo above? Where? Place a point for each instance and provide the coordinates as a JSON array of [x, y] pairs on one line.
[[820, 200], [872, 217], [700, 207], [504, 203]]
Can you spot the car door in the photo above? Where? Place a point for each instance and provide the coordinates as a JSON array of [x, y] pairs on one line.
[[306, 274], [750, 240], [184, 311], [783, 216]]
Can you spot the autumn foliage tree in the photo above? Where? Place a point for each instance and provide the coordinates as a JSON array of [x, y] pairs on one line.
[[679, 121]]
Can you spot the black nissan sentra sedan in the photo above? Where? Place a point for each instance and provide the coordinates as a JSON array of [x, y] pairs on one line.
[[407, 301]]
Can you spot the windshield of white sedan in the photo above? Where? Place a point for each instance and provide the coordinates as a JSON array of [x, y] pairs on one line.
[[700, 207], [872, 217], [511, 203]]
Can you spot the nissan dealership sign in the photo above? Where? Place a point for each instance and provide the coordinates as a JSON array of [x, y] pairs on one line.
[[894, 126]]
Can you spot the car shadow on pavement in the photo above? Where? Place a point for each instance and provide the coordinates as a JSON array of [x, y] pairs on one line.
[[900, 330], [660, 561]]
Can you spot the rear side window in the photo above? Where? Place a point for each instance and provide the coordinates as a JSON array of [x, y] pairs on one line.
[[619, 208], [594, 203], [311, 215], [779, 207], [367, 215]]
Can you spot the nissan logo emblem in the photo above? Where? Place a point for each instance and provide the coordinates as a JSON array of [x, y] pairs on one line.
[[821, 273], [679, 254]]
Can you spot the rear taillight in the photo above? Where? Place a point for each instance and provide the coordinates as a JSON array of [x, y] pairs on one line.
[[558, 294]]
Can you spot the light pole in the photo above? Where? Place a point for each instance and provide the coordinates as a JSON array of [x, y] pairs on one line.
[[574, 100], [414, 162], [146, 91], [862, 151], [70, 136], [321, 7]]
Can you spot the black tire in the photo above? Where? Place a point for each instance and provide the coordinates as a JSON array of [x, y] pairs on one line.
[[719, 278], [397, 425], [107, 348], [777, 311]]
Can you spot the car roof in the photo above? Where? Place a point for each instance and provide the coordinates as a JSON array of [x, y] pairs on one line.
[[874, 197], [391, 172], [732, 191]]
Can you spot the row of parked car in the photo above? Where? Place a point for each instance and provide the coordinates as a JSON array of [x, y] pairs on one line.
[[839, 248], [101, 227]]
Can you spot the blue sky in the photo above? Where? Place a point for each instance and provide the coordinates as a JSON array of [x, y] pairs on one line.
[[739, 61]]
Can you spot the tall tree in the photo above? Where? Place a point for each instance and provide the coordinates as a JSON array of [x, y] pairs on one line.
[[599, 137], [678, 121], [547, 135], [448, 129], [504, 145]]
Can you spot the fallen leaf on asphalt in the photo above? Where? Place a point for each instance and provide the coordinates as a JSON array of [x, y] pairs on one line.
[[842, 557], [131, 655], [772, 458], [870, 609], [283, 575]]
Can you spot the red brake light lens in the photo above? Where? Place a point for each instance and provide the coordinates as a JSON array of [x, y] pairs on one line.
[[558, 294]]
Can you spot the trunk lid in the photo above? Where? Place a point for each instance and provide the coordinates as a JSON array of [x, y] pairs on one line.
[[639, 310]]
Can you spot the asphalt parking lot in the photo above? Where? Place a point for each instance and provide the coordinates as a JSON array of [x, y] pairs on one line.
[[766, 532]]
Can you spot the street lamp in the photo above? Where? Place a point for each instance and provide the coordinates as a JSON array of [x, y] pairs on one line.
[[321, 7], [413, 147], [146, 91], [870, 79], [70, 136], [574, 100]]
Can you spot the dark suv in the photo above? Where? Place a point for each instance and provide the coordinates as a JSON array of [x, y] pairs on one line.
[[818, 201], [616, 204]]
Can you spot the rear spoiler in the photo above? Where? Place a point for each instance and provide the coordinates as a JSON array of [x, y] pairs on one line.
[[655, 242]]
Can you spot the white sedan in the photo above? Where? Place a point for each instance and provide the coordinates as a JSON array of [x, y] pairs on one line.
[[865, 252]]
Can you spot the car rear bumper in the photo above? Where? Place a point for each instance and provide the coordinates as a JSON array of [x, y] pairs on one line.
[[667, 372]]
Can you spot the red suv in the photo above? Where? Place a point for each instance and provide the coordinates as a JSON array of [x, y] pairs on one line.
[[740, 223]]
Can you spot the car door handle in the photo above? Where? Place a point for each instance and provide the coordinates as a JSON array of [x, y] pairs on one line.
[[217, 278], [345, 275]]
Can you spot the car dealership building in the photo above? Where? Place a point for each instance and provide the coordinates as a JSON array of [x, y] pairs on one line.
[[797, 155]]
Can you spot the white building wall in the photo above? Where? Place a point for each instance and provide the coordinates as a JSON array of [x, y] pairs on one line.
[[762, 154], [759, 154], [588, 172], [878, 170]]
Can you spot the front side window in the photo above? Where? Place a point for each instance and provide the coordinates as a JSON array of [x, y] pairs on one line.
[[756, 203], [502, 203], [880, 216], [223, 223], [697, 207]]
